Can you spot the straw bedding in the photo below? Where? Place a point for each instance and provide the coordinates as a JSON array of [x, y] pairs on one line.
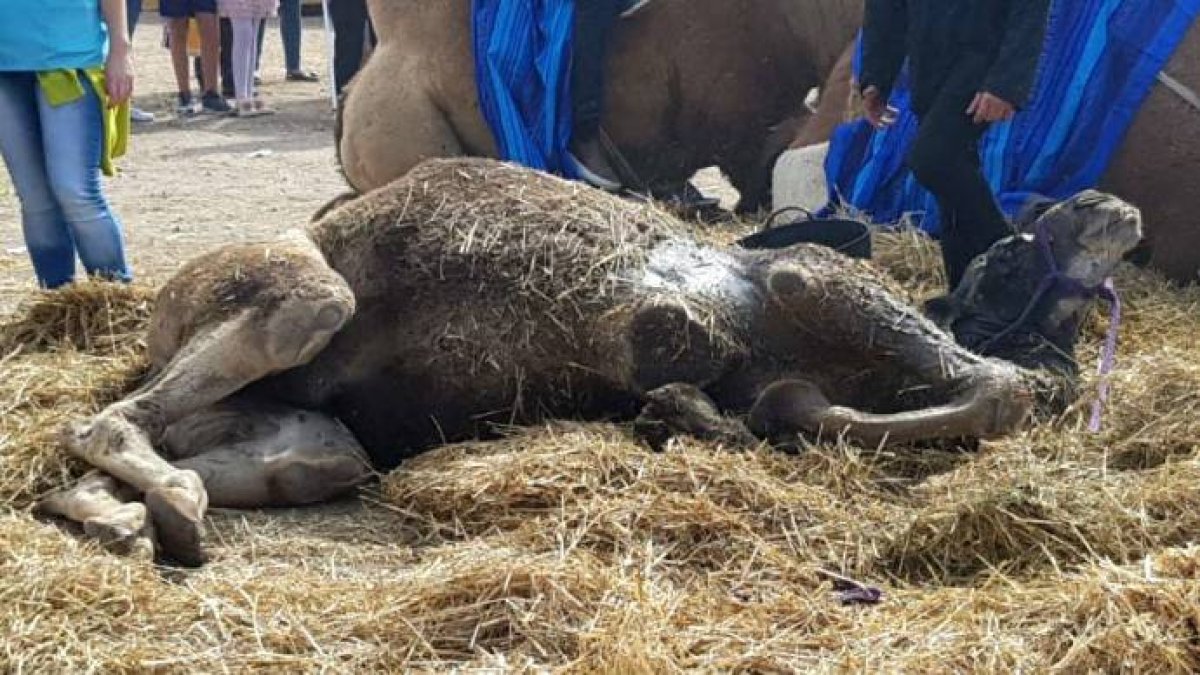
[[569, 547]]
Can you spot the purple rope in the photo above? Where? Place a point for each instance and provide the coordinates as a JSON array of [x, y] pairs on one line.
[[1109, 355], [1107, 290]]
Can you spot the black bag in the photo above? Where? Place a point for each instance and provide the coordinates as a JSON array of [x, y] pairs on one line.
[[844, 235]]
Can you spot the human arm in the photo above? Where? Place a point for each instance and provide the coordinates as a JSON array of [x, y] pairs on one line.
[[884, 29], [118, 68]]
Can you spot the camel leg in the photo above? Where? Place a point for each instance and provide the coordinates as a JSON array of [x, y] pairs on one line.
[[790, 406], [684, 409], [670, 345], [991, 398], [252, 455], [107, 513], [215, 363], [674, 356]]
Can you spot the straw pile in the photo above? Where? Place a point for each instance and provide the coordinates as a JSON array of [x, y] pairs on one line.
[[569, 547]]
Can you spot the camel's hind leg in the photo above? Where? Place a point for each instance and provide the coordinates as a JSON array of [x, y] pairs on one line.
[[991, 398], [290, 304], [254, 454]]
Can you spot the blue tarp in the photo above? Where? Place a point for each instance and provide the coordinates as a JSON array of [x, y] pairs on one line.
[[1099, 63], [522, 64]]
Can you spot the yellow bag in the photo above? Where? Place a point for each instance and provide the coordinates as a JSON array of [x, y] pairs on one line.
[[193, 38]]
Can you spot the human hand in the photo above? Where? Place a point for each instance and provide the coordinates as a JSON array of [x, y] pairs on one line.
[[987, 108], [877, 108], [118, 76]]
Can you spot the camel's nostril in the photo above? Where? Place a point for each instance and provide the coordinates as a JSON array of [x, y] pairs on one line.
[[331, 317]]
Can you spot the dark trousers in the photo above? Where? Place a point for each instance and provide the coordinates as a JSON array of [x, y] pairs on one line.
[[133, 12], [945, 160], [350, 24], [594, 21]]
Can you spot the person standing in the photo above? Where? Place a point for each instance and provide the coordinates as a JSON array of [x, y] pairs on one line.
[[291, 31], [66, 76], [133, 11], [594, 21], [177, 13], [245, 18], [351, 23], [972, 63]]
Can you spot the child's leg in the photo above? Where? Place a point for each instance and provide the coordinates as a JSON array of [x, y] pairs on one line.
[[243, 59]]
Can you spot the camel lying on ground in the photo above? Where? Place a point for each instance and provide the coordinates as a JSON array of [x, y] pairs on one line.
[[471, 293]]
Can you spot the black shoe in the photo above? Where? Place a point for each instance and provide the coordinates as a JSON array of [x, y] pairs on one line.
[[302, 75], [184, 105], [592, 165], [215, 103]]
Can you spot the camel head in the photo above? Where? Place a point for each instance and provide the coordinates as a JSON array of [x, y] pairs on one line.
[[1090, 233]]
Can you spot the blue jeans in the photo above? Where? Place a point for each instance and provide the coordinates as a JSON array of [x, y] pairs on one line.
[[133, 11], [289, 30], [53, 156]]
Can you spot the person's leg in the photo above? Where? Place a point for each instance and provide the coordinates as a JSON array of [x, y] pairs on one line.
[[210, 54], [347, 17], [244, 32], [291, 31], [945, 160], [179, 57], [260, 37], [594, 21], [259, 106], [46, 234], [73, 143], [133, 11], [226, 57]]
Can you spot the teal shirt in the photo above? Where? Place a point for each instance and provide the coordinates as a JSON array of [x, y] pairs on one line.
[[40, 35]]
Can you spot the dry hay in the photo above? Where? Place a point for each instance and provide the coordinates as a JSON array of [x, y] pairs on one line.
[[569, 547]]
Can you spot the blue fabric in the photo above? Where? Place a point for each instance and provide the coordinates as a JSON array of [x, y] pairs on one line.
[[1099, 64], [51, 35], [523, 66], [53, 157]]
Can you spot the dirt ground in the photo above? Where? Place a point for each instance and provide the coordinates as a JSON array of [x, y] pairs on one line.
[[188, 185]]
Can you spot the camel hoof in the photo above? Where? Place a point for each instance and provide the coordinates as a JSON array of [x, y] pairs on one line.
[[1009, 406], [179, 526]]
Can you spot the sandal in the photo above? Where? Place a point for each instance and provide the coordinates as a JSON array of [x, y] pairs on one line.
[[254, 108]]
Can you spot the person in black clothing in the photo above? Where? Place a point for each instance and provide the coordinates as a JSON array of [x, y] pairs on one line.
[[972, 63], [351, 23], [594, 20]]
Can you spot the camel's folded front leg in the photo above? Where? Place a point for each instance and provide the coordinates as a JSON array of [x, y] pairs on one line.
[[106, 512], [270, 329]]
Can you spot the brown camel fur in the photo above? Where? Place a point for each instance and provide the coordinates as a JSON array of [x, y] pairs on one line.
[[470, 293]]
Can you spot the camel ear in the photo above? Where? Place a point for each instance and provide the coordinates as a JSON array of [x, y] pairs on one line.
[[1034, 208]]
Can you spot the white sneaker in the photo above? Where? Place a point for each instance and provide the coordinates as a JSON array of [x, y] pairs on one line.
[[141, 116]]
